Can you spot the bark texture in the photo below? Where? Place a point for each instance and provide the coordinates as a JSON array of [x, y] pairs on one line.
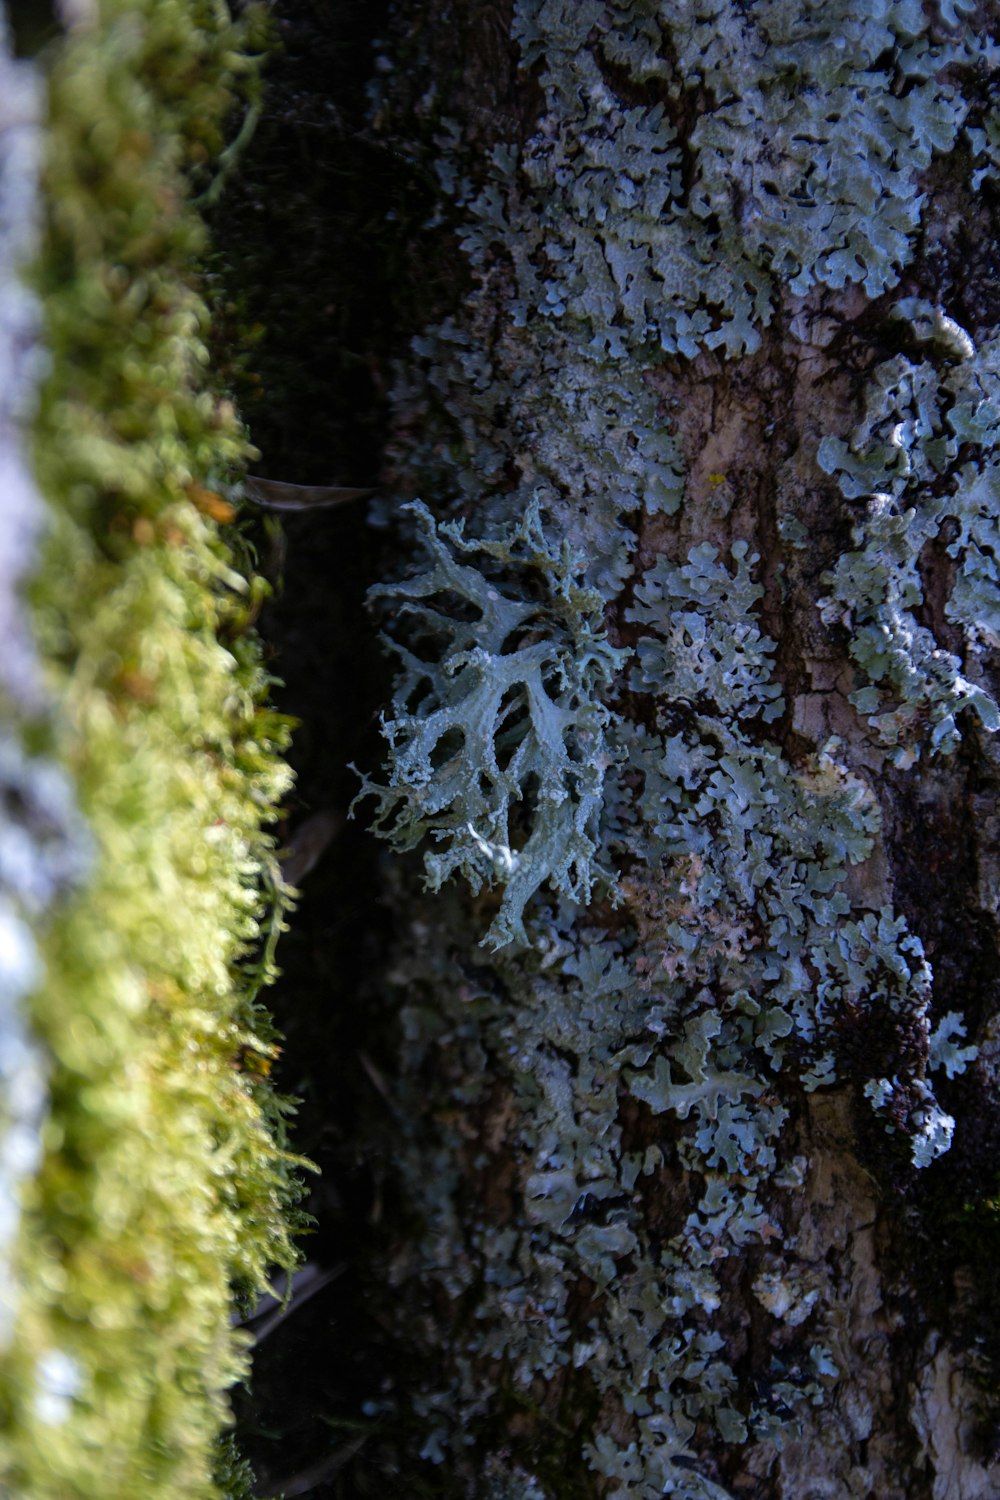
[[691, 1094]]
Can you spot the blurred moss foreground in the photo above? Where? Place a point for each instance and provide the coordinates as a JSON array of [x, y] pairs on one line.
[[165, 1185]]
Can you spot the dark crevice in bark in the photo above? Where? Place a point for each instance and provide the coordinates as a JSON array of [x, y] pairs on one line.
[[935, 838], [944, 1232], [334, 248], [315, 289]]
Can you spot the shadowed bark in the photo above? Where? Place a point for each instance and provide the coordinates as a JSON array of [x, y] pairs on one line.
[[829, 1327]]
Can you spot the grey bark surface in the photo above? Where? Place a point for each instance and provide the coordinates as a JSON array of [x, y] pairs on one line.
[[898, 1301], [853, 1330]]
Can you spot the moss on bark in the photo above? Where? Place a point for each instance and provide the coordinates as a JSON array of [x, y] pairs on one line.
[[166, 1188]]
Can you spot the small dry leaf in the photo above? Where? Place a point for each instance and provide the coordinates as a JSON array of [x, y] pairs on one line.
[[309, 842], [274, 494]]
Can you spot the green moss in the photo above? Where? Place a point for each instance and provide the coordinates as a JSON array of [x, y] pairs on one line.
[[165, 1181]]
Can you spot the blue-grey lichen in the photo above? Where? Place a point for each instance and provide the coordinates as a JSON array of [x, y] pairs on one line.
[[747, 852], [924, 466], [801, 166], [560, 1034], [622, 1079], [579, 434], [498, 719], [741, 954], [719, 652]]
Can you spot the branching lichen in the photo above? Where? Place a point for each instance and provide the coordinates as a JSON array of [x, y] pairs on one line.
[[742, 961], [498, 746]]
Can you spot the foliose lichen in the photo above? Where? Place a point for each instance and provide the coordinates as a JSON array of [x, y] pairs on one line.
[[738, 961], [692, 167], [778, 154], [923, 468], [498, 720]]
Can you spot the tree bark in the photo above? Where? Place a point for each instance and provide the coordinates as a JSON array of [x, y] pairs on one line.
[[692, 1088]]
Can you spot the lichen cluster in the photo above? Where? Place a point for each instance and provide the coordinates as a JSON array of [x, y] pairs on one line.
[[609, 1091], [501, 707], [163, 1183], [922, 467], [783, 150]]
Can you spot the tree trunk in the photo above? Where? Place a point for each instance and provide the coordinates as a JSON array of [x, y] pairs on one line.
[[689, 765]]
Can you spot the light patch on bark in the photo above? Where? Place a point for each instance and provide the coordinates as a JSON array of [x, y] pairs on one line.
[[944, 1405], [847, 1446]]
